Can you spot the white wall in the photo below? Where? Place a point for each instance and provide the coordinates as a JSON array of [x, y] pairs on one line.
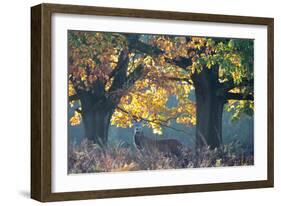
[[15, 102]]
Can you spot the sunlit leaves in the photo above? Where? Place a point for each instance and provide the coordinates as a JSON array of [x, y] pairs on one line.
[[148, 101], [238, 107], [71, 90], [93, 57], [237, 76], [75, 119]]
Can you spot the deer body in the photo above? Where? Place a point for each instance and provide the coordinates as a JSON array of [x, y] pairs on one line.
[[165, 146]]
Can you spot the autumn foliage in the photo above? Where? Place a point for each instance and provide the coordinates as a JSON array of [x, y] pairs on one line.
[[133, 76]]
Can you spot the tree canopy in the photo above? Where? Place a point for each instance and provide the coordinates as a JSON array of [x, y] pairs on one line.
[[140, 72]]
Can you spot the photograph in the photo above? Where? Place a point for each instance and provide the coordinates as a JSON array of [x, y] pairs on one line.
[[139, 101], [134, 102]]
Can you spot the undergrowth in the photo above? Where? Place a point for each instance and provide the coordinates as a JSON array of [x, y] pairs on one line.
[[89, 158]]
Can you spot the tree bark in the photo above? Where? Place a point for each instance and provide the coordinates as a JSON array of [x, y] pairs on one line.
[[209, 108], [96, 115], [96, 124]]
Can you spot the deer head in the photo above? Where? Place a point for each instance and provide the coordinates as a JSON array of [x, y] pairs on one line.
[[138, 126]]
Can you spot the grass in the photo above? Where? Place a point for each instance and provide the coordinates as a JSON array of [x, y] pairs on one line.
[[89, 158]]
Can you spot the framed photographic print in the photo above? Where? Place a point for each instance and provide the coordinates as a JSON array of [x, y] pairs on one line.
[[132, 102]]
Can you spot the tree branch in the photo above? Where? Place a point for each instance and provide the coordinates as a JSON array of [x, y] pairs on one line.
[[73, 97], [134, 76], [117, 93], [135, 43], [187, 80], [120, 71], [228, 85], [147, 120], [239, 96], [181, 62]]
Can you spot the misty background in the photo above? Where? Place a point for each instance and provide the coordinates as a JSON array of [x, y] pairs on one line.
[[241, 129]]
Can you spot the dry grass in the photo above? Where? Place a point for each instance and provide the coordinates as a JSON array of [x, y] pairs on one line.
[[88, 158]]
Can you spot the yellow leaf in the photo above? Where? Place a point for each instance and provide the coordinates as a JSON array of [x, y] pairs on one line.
[[71, 90], [76, 119]]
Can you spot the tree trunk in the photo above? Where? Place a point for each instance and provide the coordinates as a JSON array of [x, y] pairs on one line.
[[209, 120], [209, 109], [96, 124], [96, 115]]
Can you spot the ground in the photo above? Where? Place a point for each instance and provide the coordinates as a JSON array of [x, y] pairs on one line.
[[87, 158]]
